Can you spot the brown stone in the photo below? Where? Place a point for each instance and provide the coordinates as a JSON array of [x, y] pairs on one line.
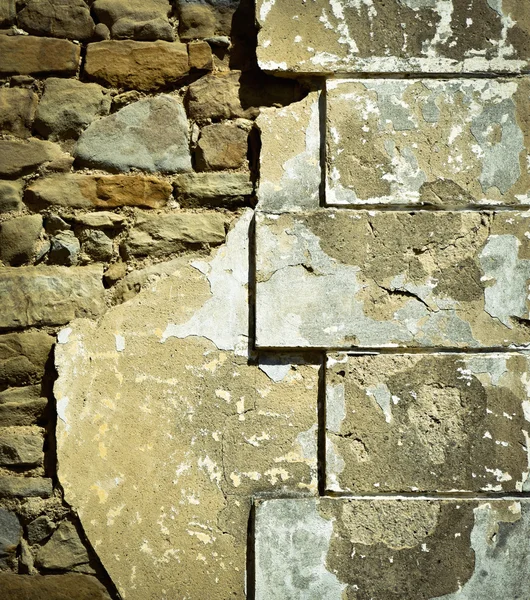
[[200, 55], [10, 196], [22, 157], [17, 110], [137, 19], [25, 487], [102, 191], [71, 586], [21, 447], [57, 18], [205, 19], [21, 406], [23, 357], [20, 239], [63, 551], [8, 12], [145, 66], [28, 55], [221, 147]]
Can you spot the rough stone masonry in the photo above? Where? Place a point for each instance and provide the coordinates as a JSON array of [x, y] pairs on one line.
[[265, 323]]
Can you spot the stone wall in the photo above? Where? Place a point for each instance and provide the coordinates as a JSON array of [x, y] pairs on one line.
[[265, 273]]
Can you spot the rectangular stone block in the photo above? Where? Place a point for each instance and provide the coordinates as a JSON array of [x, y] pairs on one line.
[[429, 423], [12, 486], [336, 548], [21, 406], [342, 279], [393, 36], [436, 142], [23, 357], [29, 55], [21, 447]]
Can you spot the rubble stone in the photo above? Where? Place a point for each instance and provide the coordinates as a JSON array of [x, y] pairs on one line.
[[8, 12], [97, 245], [10, 534], [20, 239], [21, 447], [63, 551], [21, 406], [136, 19], [204, 19], [222, 147], [10, 196], [28, 55], [25, 487], [65, 249], [17, 110], [23, 357], [210, 186], [200, 56], [70, 586], [22, 157], [60, 18]]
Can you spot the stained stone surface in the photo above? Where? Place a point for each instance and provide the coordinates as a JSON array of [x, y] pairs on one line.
[[290, 174], [340, 279], [32, 55], [336, 548], [428, 423], [437, 142], [169, 373], [433, 36]]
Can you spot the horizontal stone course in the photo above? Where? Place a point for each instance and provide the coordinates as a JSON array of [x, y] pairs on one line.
[[70, 586], [21, 406], [19, 157], [21, 447], [12, 486], [28, 55]]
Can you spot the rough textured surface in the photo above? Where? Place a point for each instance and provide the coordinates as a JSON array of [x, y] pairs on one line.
[[200, 56], [392, 549], [71, 586], [341, 279], [49, 295], [12, 486], [10, 196], [20, 239], [138, 136], [146, 66], [205, 18], [10, 534], [8, 12], [28, 55], [17, 110], [21, 446], [215, 429], [427, 423], [19, 158], [206, 186], [433, 36], [221, 147], [23, 357], [64, 550], [137, 19], [444, 143], [21, 406], [57, 18]]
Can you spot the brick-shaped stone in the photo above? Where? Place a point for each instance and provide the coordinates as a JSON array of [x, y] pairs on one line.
[[393, 36], [384, 549], [399, 423], [12, 486], [21, 447], [340, 279], [52, 587], [21, 406], [434, 142], [28, 55]]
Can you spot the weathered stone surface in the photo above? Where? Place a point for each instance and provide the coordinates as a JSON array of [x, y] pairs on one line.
[[57, 18], [137, 19], [216, 428], [97, 245], [21, 157], [17, 110], [442, 143], [433, 36], [21, 447], [102, 191], [200, 56], [20, 239], [25, 487], [68, 106], [145, 66], [23, 357], [64, 250], [102, 220], [427, 423], [70, 586], [208, 186], [28, 55], [341, 278], [10, 534], [205, 18], [222, 146], [39, 529], [338, 548], [21, 406], [138, 136], [8, 12], [10, 196], [290, 172], [49, 295], [63, 551], [162, 234]]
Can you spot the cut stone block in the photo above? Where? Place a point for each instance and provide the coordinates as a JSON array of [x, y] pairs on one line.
[[337, 548], [211, 186], [25, 487], [445, 143], [393, 36], [340, 279], [428, 423], [28, 55], [290, 172], [215, 428]]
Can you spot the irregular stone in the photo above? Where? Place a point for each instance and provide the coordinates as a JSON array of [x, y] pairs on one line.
[[200, 56], [8, 13], [20, 239], [21, 447], [68, 586], [10, 196], [25, 560], [101, 32], [50, 295], [39, 529], [216, 429], [17, 110], [10, 534], [145, 66], [54, 224], [137, 19], [63, 550], [102, 220], [139, 279], [391, 549], [427, 423], [443, 143], [28, 55], [213, 186], [222, 146], [159, 235], [138, 136], [60, 18], [65, 249], [114, 273], [25, 487], [103, 191], [341, 279], [97, 245], [23, 357], [20, 158], [203, 19], [435, 36], [68, 106], [21, 406], [292, 133]]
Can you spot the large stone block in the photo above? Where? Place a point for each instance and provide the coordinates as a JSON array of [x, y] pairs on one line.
[[443, 143], [12, 486], [23, 357], [205, 18], [28, 55], [69, 586], [19, 157], [337, 548], [340, 279], [49, 295], [21, 239], [60, 18], [427, 423], [210, 428], [429, 36]]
